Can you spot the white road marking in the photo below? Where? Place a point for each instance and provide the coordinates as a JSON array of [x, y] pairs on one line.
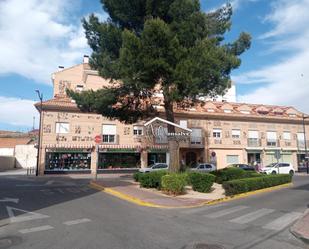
[[252, 216], [282, 221], [225, 212], [6, 199], [36, 229], [204, 209], [74, 222], [49, 182], [23, 217]]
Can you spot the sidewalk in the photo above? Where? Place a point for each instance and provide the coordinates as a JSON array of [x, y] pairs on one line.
[[301, 228], [13, 172], [130, 191]]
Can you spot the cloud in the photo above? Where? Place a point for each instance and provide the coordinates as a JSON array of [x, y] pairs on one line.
[[18, 112], [285, 82], [36, 36], [236, 4]]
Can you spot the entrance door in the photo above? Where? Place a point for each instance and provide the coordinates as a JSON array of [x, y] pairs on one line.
[[254, 157], [190, 158]]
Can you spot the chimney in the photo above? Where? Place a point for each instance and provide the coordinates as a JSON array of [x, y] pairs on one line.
[[60, 68], [86, 59]]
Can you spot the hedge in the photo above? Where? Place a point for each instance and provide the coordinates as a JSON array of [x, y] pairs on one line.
[[249, 184], [173, 183], [201, 182], [137, 175], [229, 174], [152, 179]]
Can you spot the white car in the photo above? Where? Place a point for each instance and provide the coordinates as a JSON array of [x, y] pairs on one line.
[[278, 168], [204, 167], [154, 167]]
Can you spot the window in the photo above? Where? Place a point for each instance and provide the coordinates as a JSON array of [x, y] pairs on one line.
[[109, 133], [271, 138], [300, 136], [287, 135], [183, 123], [62, 127], [235, 134], [210, 110], [216, 133], [245, 112], [137, 130], [196, 136], [281, 165], [227, 110], [253, 134], [232, 159], [79, 88], [292, 115]]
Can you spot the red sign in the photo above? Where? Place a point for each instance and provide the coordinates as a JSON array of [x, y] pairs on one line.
[[213, 154], [98, 139]]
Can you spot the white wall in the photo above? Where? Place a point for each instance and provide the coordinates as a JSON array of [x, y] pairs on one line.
[[6, 151], [26, 156]]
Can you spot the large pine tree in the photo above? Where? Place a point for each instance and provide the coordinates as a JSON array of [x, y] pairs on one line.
[[173, 44]]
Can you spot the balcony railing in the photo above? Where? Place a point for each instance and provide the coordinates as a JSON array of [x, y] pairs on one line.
[[272, 143], [254, 142]]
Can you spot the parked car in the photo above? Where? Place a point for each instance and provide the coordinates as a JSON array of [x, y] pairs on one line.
[[242, 166], [204, 167], [154, 167], [278, 168]]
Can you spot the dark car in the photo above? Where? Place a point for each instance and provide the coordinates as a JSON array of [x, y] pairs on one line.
[[242, 166]]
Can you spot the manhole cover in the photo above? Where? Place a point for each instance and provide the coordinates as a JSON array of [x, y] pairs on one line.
[[9, 241], [202, 246]]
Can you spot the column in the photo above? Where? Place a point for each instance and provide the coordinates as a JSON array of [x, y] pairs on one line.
[[144, 159], [94, 160], [41, 159]]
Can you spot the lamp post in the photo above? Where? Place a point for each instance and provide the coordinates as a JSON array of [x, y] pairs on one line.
[[306, 152], [40, 95]]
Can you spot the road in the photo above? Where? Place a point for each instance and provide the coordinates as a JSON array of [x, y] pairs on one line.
[[60, 212]]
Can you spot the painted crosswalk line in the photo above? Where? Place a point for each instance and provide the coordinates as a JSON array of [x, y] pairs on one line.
[[203, 209], [74, 222], [249, 217], [25, 216], [282, 221], [36, 229], [225, 211]]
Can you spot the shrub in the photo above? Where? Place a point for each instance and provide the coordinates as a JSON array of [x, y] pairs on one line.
[[229, 174], [152, 179], [174, 183], [201, 182], [136, 176], [249, 184]]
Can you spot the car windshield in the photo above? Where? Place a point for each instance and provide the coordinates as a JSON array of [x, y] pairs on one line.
[[271, 165]]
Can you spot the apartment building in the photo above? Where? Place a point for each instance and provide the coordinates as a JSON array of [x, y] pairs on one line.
[[222, 132]]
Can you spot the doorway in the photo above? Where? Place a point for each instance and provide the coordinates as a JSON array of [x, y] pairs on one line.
[[254, 157], [190, 158]]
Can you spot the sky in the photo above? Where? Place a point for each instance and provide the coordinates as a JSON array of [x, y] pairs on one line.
[[38, 36]]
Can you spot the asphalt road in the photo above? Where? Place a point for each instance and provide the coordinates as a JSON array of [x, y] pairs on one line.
[[59, 212]]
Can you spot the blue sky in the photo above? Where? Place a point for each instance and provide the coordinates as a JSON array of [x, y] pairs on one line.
[[38, 36]]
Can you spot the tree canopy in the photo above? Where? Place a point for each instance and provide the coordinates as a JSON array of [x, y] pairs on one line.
[[170, 43]]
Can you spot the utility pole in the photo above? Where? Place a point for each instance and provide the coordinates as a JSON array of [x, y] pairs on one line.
[[40, 95]]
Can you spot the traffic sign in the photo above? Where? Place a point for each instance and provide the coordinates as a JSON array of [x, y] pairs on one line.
[[98, 139]]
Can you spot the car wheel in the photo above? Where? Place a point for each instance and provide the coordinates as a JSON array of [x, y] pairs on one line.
[[274, 173], [291, 172]]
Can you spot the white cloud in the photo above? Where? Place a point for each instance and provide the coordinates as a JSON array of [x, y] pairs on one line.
[[19, 112], [36, 37], [285, 82], [236, 4]]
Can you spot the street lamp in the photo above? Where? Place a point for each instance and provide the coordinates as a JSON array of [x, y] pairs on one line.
[[40, 95], [306, 152]]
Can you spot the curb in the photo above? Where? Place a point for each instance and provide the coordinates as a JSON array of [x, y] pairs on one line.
[[140, 202], [297, 234]]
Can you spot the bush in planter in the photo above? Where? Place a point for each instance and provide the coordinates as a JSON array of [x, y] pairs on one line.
[[136, 176], [152, 179], [249, 184], [201, 182], [229, 174], [174, 183]]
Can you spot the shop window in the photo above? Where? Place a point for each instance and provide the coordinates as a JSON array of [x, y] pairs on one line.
[[67, 161], [232, 159], [235, 133], [216, 133], [138, 130], [62, 127]]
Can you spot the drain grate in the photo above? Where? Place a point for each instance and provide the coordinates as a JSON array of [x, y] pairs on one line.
[[202, 246]]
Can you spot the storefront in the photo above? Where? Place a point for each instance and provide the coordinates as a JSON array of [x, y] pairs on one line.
[[110, 158], [67, 159]]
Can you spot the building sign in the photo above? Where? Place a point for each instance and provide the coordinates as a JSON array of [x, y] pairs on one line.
[[157, 129]]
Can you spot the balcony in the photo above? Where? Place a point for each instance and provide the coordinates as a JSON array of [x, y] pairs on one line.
[[254, 142]]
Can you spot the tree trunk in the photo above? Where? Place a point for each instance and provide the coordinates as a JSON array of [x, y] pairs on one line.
[[173, 145]]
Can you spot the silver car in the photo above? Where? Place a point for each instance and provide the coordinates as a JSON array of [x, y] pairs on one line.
[[204, 167], [154, 167]]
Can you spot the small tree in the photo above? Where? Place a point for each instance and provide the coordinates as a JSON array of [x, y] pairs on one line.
[[170, 44]]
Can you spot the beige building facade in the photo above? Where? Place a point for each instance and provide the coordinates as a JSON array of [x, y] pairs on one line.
[[222, 133]]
